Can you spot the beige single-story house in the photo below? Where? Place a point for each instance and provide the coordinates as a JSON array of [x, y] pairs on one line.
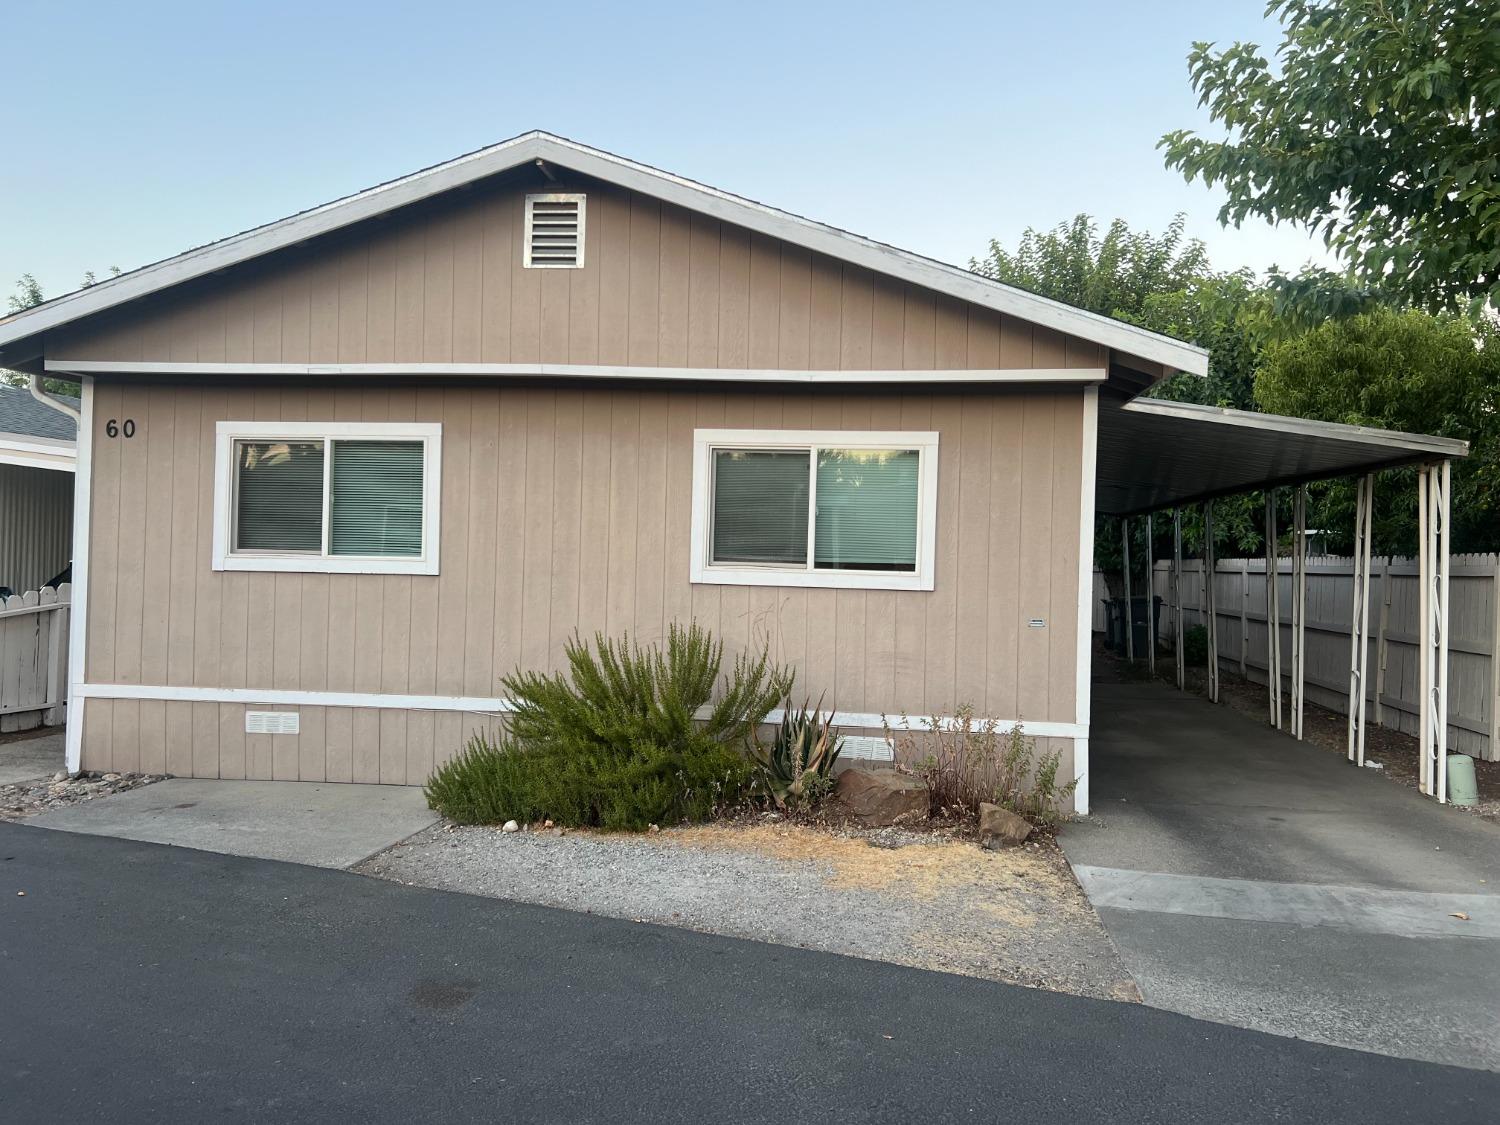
[[339, 473]]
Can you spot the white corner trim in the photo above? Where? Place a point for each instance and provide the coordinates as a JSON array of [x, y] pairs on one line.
[[530, 147], [83, 485], [705, 572], [228, 432], [498, 705], [1083, 692], [171, 368]]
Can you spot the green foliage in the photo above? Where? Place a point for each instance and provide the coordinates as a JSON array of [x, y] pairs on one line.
[[28, 293], [1378, 126], [1118, 274], [1027, 782], [615, 742], [1195, 646], [1399, 371], [797, 768]]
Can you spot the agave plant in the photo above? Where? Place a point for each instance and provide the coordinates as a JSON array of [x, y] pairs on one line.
[[797, 766]]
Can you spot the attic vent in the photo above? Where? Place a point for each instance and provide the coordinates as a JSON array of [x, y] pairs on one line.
[[554, 231]]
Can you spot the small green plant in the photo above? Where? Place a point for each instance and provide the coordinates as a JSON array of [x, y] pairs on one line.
[[1195, 645], [1027, 783], [616, 742], [797, 767], [966, 761]]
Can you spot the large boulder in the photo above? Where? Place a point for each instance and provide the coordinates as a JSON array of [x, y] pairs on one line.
[[1001, 828], [882, 797]]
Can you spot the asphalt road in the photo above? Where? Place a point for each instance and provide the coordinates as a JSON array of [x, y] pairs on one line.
[[146, 983]]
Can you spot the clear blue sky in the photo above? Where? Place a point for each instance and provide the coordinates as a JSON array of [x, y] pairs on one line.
[[138, 130]]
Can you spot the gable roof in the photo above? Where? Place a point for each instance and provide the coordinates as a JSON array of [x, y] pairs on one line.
[[22, 414], [537, 146]]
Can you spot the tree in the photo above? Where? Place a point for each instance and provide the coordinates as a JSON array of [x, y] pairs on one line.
[[1399, 371], [1165, 283], [1381, 130]]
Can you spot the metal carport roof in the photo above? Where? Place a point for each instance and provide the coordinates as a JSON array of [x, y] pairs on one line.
[[1159, 454]]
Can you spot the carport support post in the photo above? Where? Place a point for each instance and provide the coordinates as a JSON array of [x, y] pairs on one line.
[[1210, 601], [1299, 606], [1433, 503], [1273, 614], [1177, 628], [1150, 601], [1359, 617], [1129, 606]]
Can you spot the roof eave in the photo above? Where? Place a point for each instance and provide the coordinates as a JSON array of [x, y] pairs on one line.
[[536, 145]]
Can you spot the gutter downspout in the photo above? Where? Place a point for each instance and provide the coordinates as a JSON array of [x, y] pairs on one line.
[[34, 385]]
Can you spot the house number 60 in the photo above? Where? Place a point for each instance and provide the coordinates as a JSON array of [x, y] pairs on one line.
[[115, 429]]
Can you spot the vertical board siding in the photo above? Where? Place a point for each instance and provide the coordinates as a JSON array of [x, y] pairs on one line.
[[563, 510], [36, 515], [661, 286]]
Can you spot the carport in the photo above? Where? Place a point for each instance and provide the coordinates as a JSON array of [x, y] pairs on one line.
[[1158, 457]]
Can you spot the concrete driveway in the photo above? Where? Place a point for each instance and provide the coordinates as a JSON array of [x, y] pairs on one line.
[[297, 821], [30, 756], [1254, 880]]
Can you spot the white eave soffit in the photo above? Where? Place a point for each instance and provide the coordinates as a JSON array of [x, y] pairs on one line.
[[529, 147]]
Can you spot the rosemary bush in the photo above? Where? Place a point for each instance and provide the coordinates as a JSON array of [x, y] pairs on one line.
[[616, 742]]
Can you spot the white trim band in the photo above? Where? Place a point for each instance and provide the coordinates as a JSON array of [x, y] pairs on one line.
[[496, 705], [585, 371]]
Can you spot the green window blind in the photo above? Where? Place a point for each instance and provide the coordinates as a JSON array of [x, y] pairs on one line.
[[375, 498], [867, 509], [760, 506], [279, 492]]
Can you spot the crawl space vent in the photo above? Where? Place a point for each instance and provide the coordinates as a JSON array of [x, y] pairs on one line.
[[867, 747], [554, 231], [273, 722]]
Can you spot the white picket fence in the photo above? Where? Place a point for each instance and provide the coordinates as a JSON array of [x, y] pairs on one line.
[[1392, 693], [34, 658]]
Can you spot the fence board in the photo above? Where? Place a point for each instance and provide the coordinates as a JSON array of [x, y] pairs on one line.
[[33, 658]]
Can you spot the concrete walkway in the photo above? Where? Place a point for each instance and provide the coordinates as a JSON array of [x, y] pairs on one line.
[[26, 759], [300, 822], [1253, 880]]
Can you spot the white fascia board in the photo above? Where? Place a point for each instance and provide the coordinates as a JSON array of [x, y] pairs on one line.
[[529, 147], [1305, 427], [38, 453], [1081, 375]]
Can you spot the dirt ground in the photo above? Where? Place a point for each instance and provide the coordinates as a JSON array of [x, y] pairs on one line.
[[928, 900], [1395, 752]]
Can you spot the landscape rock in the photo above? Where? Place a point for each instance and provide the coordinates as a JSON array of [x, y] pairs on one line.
[[510, 826], [1001, 828], [882, 797]]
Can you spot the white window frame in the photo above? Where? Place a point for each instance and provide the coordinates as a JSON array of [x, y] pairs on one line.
[[228, 433], [554, 197], [704, 570]]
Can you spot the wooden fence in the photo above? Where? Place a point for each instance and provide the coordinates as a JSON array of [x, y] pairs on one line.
[[1392, 681], [34, 658]]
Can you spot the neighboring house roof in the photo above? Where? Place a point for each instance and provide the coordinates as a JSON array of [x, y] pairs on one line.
[[537, 146], [34, 435], [22, 414]]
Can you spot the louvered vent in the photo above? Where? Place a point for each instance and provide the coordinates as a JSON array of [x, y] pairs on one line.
[[554, 231]]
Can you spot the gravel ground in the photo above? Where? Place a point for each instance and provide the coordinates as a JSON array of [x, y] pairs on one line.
[[59, 790], [914, 899]]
